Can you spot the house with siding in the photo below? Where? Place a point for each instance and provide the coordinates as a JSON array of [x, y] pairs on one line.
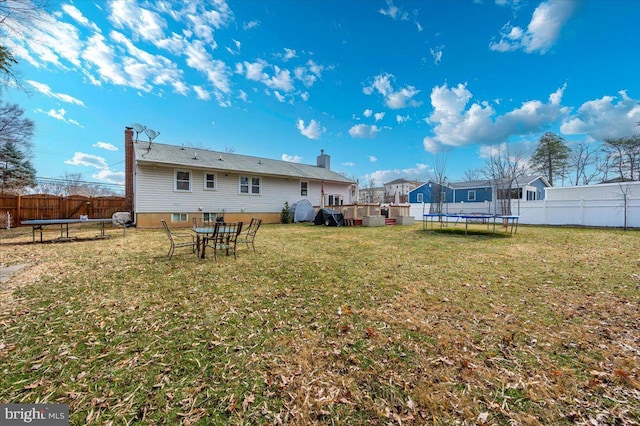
[[480, 192], [397, 191], [178, 183]]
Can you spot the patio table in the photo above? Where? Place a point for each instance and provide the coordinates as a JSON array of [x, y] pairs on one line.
[[201, 237], [40, 224]]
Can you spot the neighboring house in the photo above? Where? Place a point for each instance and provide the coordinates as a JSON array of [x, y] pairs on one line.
[[397, 191], [373, 195], [531, 188], [178, 183]]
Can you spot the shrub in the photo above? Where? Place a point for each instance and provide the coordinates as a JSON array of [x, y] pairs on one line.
[[285, 215]]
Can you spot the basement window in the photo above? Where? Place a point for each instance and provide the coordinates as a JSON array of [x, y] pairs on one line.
[[179, 217]]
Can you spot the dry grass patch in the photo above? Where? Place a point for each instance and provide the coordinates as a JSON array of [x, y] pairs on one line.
[[391, 325]]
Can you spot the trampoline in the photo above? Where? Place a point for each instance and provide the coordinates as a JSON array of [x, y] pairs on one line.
[[510, 221]]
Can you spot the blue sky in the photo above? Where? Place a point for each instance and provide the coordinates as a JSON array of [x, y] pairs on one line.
[[387, 88]]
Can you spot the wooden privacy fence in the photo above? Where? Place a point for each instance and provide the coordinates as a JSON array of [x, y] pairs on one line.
[[46, 206]]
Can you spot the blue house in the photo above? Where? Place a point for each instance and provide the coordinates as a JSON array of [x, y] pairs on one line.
[[529, 188]]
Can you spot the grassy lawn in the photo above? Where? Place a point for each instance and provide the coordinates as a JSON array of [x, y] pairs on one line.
[[390, 325]]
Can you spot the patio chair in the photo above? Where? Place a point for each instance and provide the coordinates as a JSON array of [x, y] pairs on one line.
[[224, 238], [179, 239], [247, 236]]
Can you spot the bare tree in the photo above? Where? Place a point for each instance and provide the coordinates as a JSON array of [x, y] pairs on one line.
[[623, 156], [14, 127], [438, 186], [370, 190], [15, 17], [503, 170], [472, 174], [586, 164]]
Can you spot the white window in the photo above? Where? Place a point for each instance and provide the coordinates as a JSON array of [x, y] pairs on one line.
[[182, 180], [334, 200], [210, 181], [304, 189], [420, 197], [471, 195], [250, 185], [179, 217]]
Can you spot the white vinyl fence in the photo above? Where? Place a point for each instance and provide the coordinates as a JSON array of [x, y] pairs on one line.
[[607, 205]]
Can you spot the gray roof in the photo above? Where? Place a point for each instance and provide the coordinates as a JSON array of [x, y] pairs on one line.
[[521, 181], [172, 155]]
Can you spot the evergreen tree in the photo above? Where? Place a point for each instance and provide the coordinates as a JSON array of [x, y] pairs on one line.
[[16, 172], [285, 214], [551, 156]]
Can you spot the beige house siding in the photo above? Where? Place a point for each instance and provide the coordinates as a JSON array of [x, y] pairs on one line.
[[156, 198]]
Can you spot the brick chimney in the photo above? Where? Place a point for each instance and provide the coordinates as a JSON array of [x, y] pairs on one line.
[[324, 160], [128, 169]]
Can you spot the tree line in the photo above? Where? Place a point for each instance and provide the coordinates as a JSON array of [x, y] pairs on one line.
[[615, 160]]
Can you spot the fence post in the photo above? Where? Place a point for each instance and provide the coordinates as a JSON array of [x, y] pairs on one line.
[[18, 212]]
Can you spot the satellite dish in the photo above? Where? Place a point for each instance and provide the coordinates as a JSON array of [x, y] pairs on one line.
[[151, 134], [138, 129]]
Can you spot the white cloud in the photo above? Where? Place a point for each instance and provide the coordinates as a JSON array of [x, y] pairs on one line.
[[312, 131], [204, 18], [292, 158], [46, 90], [378, 116], [367, 113], [394, 99], [75, 13], [49, 42], [143, 23], [288, 54], [279, 97], [542, 32], [394, 12], [607, 117], [419, 172], [348, 164], [101, 55], [106, 145], [58, 114], [216, 71], [402, 118], [202, 93], [109, 176], [363, 131], [372, 159], [280, 79], [436, 54], [144, 71], [82, 159], [250, 25], [456, 123]]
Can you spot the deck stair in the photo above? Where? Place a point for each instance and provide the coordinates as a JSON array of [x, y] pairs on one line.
[[389, 221]]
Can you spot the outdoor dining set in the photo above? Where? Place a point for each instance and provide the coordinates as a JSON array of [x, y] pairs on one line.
[[219, 236]]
